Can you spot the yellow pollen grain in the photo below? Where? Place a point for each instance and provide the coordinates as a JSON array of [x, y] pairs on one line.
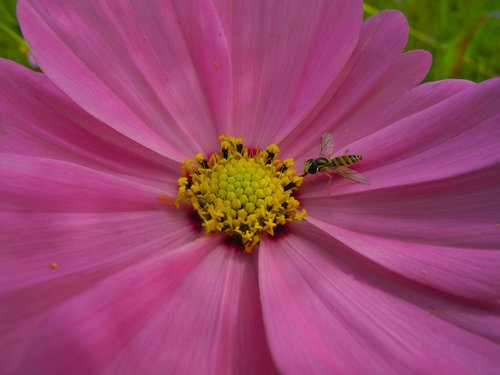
[[240, 192], [54, 265]]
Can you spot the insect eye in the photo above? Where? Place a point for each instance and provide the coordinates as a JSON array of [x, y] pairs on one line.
[[313, 167]]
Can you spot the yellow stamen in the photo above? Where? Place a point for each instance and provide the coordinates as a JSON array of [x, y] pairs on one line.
[[241, 192]]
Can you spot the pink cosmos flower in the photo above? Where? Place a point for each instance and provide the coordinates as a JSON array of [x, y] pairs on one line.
[[99, 275]]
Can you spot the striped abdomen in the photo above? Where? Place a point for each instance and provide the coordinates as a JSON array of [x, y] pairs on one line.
[[344, 160]]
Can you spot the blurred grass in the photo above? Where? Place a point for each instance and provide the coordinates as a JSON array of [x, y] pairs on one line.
[[462, 35], [12, 45]]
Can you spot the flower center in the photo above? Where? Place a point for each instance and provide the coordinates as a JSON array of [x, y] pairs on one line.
[[242, 192]]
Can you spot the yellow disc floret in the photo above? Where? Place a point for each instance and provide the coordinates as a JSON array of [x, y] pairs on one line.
[[242, 192]]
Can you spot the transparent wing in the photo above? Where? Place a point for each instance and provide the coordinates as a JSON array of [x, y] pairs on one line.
[[351, 175], [326, 145]]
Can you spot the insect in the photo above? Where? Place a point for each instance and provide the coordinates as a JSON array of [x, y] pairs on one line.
[[338, 164]]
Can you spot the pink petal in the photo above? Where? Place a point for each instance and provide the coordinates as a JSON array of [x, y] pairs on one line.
[[37, 184], [376, 75], [151, 72], [86, 248], [438, 142], [81, 242], [88, 327], [327, 310], [466, 272], [460, 211], [284, 57], [39, 120], [418, 99], [385, 108], [88, 224], [193, 311], [211, 325], [411, 102], [443, 233]]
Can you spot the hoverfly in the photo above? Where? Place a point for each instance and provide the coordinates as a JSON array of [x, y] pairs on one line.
[[338, 164]]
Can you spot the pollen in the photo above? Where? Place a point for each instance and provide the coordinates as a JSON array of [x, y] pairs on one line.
[[244, 193]]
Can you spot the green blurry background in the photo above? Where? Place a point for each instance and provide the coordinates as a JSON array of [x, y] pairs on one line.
[[463, 35]]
